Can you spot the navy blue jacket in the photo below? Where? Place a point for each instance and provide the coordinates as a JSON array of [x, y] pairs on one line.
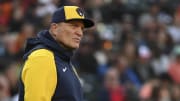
[[68, 87]]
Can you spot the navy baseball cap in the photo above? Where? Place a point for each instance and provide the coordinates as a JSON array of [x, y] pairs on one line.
[[68, 13]]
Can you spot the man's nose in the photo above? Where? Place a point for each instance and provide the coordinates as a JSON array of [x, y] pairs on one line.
[[79, 32]]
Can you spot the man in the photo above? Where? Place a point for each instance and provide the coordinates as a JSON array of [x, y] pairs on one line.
[[48, 74]]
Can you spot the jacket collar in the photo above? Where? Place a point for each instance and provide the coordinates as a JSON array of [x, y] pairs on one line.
[[44, 38]]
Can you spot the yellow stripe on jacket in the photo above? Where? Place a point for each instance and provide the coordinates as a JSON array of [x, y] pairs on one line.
[[39, 76]]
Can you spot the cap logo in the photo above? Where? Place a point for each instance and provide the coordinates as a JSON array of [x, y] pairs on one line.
[[80, 12]]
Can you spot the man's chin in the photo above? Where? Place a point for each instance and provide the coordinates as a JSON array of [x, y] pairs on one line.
[[75, 47]]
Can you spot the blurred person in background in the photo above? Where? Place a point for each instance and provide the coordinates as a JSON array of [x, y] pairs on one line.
[[113, 11], [174, 67], [27, 31], [143, 67], [156, 89], [11, 73], [127, 33], [48, 73], [129, 50], [146, 93], [165, 43], [175, 92], [10, 47], [5, 14], [174, 29], [113, 90], [127, 77], [4, 88], [163, 94], [161, 52]]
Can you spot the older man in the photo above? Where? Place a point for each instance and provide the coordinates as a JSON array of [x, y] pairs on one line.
[[48, 74]]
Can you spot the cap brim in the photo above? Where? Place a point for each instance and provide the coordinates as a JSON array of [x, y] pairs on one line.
[[87, 22]]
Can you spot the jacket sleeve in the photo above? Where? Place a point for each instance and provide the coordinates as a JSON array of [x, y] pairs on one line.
[[39, 76]]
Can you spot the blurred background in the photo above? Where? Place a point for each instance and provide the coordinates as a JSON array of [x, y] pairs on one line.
[[131, 54]]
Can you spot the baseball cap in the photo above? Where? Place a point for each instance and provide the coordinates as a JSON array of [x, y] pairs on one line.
[[68, 13]]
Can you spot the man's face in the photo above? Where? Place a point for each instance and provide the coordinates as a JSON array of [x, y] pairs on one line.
[[69, 33]]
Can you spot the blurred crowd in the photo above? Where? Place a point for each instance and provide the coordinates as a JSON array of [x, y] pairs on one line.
[[131, 54]]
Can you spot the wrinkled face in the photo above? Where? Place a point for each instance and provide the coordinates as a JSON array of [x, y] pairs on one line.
[[68, 34]]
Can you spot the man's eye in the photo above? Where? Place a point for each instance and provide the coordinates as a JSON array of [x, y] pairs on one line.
[[76, 26]]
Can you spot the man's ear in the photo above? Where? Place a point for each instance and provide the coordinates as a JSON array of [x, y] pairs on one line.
[[53, 26], [53, 29]]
